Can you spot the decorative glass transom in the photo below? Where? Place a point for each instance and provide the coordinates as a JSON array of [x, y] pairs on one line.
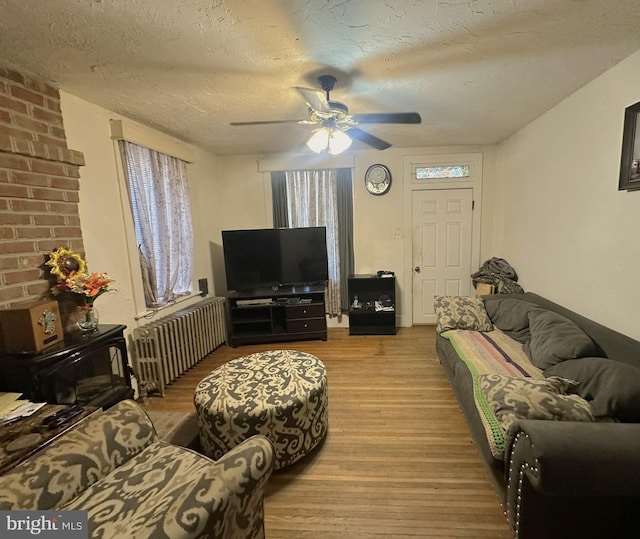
[[430, 173]]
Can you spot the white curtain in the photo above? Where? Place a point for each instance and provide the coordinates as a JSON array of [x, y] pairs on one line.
[[312, 201], [159, 197]]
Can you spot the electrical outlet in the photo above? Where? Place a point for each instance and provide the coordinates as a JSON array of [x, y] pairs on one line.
[[397, 234]]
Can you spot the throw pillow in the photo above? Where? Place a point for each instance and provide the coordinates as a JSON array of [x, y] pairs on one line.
[[510, 315], [612, 387], [524, 398], [555, 338], [461, 312]]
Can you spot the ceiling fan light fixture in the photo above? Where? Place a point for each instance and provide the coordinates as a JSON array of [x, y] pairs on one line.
[[319, 140], [339, 141], [326, 138], [336, 127]]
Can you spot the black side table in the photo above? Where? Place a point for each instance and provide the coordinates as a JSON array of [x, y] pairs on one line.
[[364, 318]]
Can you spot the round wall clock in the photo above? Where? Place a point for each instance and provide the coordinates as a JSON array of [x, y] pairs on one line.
[[377, 179]]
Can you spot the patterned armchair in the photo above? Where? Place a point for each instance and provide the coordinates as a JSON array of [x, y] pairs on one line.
[[133, 485]]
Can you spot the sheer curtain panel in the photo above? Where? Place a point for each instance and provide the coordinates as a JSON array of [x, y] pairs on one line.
[[312, 201], [159, 197]]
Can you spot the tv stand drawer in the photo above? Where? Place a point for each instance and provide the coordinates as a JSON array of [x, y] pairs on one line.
[[310, 310], [303, 325]]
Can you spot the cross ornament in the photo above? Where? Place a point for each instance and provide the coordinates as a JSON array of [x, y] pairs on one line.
[[48, 321]]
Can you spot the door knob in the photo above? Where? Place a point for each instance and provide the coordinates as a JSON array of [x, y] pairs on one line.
[[417, 269]]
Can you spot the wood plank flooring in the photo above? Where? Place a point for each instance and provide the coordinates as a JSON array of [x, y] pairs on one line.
[[398, 461]]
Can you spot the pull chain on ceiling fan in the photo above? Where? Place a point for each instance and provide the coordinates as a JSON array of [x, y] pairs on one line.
[[336, 127]]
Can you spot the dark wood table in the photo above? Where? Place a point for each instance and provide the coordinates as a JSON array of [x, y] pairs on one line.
[[24, 437]]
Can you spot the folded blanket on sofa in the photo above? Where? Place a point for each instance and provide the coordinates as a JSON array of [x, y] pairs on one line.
[[491, 352], [507, 386]]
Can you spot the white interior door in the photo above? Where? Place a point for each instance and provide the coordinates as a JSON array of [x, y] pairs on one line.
[[442, 245]]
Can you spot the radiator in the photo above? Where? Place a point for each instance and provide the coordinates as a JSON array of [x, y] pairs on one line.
[[168, 347]]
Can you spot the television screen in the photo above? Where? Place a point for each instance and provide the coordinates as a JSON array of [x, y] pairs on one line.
[[303, 255], [272, 257], [251, 258]]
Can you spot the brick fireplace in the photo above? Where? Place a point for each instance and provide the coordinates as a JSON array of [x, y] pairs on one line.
[[39, 186]]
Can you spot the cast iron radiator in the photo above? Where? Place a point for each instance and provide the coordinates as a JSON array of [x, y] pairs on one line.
[[168, 347]]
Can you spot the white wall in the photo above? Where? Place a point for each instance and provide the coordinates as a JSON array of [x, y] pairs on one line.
[[244, 201], [241, 199], [560, 219], [104, 211]]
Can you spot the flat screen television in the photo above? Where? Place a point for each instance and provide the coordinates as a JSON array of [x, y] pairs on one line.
[[274, 257]]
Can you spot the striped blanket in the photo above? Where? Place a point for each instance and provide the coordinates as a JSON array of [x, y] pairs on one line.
[[491, 352]]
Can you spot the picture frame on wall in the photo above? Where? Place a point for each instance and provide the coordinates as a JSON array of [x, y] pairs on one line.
[[630, 159]]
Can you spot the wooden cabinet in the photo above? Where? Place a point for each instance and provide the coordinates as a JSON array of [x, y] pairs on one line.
[[373, 303], [287, 314]]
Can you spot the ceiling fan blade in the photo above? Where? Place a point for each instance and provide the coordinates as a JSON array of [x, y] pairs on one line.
[[388, 118], [268, 122], [315, 99], [367, 138]]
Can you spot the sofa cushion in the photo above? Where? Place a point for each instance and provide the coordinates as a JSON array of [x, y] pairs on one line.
[[509, 315], [461, 312], [524, 398], [612, 387], [555, 338]]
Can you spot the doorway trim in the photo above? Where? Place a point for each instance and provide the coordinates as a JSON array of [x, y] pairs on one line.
[[411, 183]]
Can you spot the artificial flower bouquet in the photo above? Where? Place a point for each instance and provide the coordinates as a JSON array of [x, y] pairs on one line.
[[72, 275]]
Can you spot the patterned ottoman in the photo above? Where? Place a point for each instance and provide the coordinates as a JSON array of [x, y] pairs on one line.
[[281, 394]]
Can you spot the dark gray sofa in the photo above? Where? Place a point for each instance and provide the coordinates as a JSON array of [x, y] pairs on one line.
[[562, 479]]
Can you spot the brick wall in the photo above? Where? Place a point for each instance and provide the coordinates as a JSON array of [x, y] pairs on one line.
[[39, 184]]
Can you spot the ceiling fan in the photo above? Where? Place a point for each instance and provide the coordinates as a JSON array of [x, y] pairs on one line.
[[336, 127]]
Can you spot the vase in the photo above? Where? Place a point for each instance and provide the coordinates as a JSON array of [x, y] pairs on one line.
[[87, 318]]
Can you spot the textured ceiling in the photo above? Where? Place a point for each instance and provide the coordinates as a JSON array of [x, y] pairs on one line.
[[476, 70]]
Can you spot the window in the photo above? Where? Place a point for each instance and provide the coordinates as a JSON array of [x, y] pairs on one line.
[[320, 198], [159, 198], [433, 173]]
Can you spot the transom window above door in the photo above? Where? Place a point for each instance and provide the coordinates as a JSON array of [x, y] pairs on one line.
[[434, 173]]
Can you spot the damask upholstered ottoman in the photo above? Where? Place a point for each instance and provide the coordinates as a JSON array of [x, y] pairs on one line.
[[281, 394]]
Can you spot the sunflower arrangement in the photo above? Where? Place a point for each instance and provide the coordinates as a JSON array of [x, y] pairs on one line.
[[72, 275]]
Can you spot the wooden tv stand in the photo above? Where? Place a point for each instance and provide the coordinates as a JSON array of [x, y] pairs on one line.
[[289, 313]]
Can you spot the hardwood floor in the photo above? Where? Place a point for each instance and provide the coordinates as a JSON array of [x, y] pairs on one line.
[[398, 460]]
